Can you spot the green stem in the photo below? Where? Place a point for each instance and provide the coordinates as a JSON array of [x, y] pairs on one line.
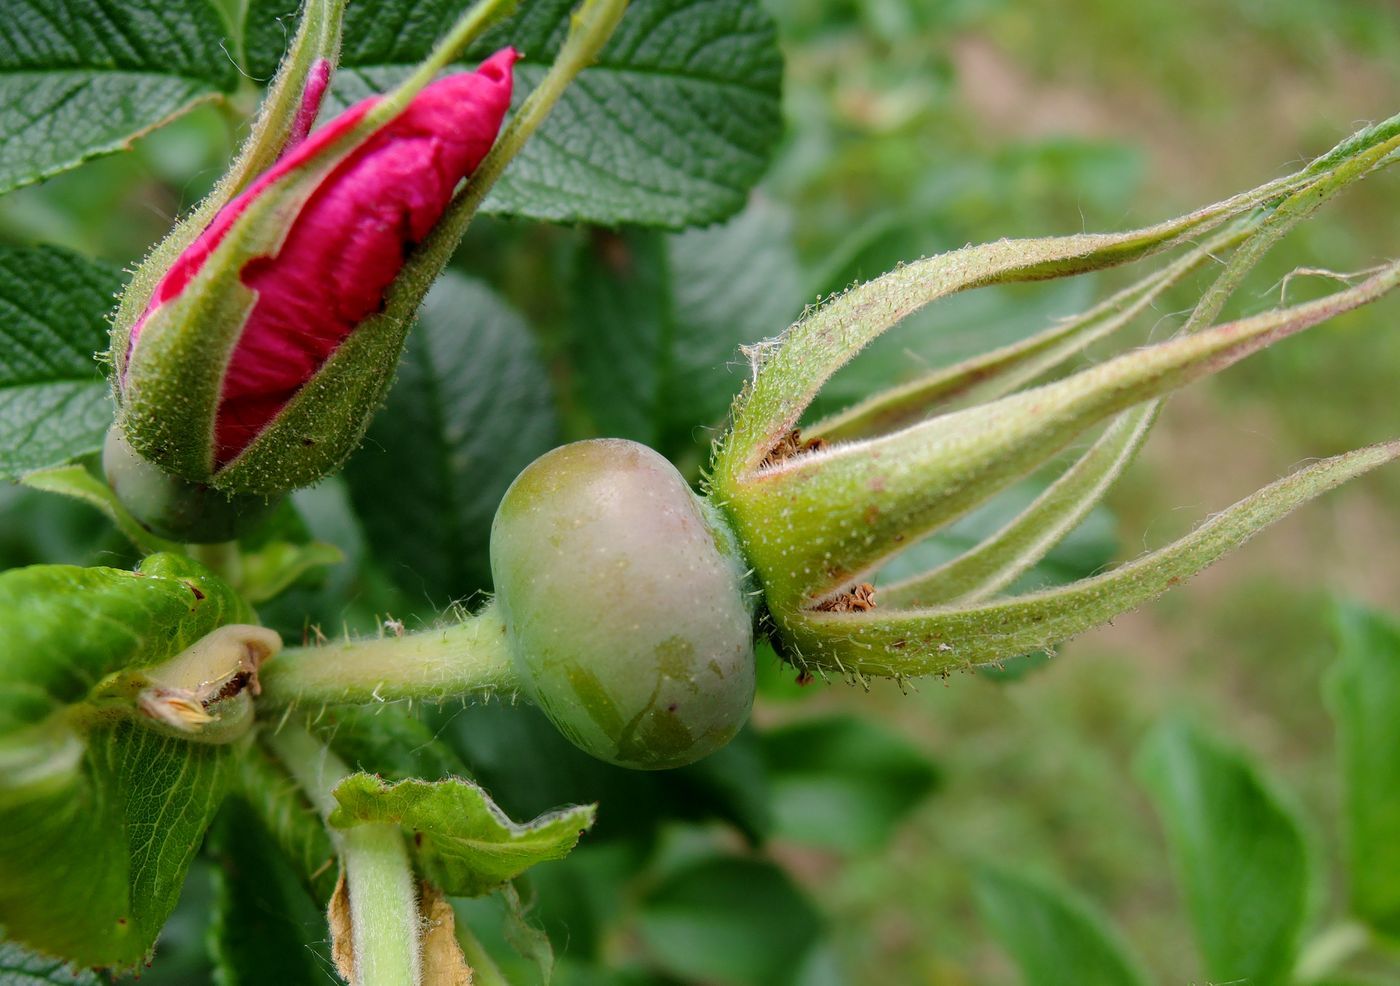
[[223, 558], [468, 28], [469, 658], [1329, 949], [592, 25], [385, 925], [485, 971]]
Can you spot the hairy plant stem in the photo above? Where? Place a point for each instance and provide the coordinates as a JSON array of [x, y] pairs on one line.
[[590, 28], [469, 658], [383, 894]]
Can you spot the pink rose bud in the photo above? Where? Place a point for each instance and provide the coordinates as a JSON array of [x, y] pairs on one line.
[[286, 272]]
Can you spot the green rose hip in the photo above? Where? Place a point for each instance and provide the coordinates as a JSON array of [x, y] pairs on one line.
[[624, 598]]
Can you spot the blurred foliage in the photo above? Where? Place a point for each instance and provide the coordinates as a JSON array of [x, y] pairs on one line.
[[913, 126]]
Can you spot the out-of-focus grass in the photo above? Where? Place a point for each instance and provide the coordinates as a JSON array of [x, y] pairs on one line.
[[922, 126]]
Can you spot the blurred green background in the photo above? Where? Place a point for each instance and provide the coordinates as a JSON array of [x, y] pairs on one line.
[[920, 125]]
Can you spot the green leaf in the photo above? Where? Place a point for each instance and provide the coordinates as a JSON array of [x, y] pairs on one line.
[[77, 482], [19, 967], [1239, 853], [529, 767], [736, 922], [658, 321], [274, 567], [283, 810], [79, 78], [471, 408], [842, 782], [100, 815], [1056, 939], [1364, 694], [670, 127], [387, 741], [266, 929], [465, 844], [54, 403]]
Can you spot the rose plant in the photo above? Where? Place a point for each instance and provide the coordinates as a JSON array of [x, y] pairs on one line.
[[150, 709]]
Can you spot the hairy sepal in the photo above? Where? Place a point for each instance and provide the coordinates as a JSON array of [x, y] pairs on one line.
[[910, 643], [314, 49], [813, 523], [996, 563], [988, 376], [1027, 538], [789, 372]]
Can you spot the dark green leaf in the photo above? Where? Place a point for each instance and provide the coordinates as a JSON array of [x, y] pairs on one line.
[[465, 844], [80, 78], [1239, 852], [521, 758], [388, 741], [471, 408], [54, 404], [1364, 693], [267, 929], [19, 967], [1055, 939], [284, 812], [843, 782], [737, 922], [578, 899], [671, 127], [658, 322], [100, 815]]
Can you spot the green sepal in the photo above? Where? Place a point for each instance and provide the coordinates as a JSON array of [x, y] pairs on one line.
[[100, 814], [462, 842], [317, 38], [814, 523], [908, 643], [1018, 546], [318, 429], [789, 372]]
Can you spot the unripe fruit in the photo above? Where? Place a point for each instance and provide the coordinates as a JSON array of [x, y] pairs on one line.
[[623, 596]]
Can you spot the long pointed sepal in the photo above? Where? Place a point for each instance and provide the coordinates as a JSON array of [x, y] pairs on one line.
[[815, 522], [911, 643]]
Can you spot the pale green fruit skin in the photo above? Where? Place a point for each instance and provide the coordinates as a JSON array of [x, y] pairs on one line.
[[624, 599]]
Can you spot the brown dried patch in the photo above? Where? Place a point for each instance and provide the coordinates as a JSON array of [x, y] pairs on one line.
[[342, 940], [790, 446], [443, 961], [231, 688], [857, 599]]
